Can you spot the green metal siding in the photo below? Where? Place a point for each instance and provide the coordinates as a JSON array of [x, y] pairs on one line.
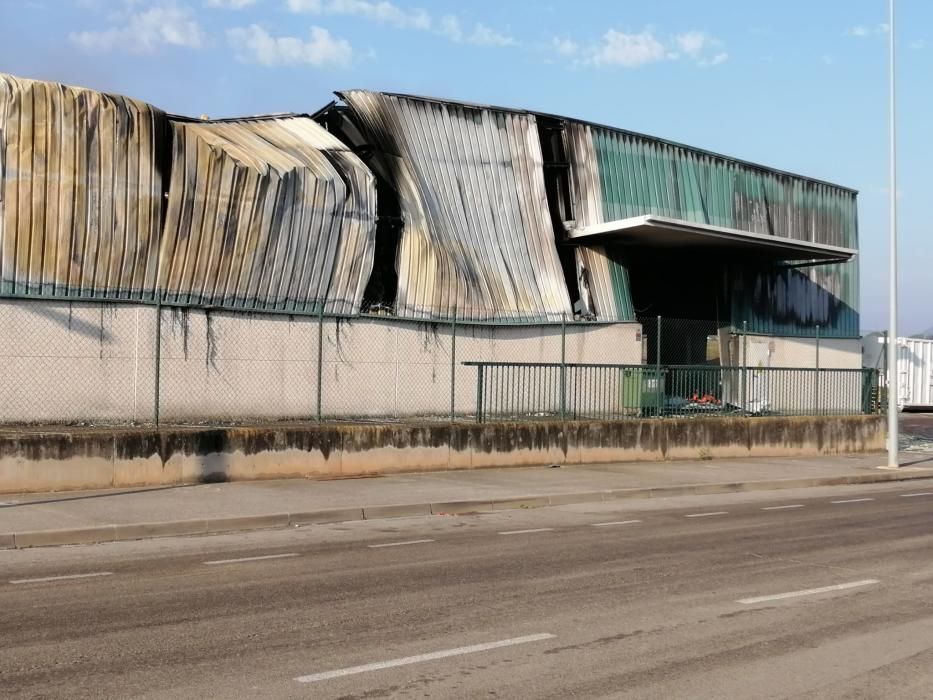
[[639, 175]]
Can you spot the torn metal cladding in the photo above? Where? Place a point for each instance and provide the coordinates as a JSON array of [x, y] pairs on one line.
[[259, 214], [82, 184], [477, 238], [267, 214]]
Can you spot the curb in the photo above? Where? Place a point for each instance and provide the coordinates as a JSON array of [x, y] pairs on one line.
[[278, 521]]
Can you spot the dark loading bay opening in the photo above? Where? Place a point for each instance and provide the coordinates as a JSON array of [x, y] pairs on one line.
[[688, 290]]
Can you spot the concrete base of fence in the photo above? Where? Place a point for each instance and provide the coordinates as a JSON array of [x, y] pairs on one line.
[[34, 460]]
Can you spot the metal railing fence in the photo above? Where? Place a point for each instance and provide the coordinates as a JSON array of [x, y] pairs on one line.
[[573, 391]]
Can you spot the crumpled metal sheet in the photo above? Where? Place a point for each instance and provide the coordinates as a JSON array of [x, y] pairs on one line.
[[80, 191], [267, 214], [477, 239], [263, 214]]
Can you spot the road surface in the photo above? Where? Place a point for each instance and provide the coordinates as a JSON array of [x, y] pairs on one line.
[[823, 593]]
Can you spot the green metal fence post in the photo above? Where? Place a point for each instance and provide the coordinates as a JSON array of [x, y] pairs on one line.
[[453, 365], [745, 366], [479, 393], [158, 359], [563, 366], [816, 381], [320, 360], [657, 370]]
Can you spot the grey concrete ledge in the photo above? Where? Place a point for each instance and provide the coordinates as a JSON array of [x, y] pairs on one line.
[[138, 531]]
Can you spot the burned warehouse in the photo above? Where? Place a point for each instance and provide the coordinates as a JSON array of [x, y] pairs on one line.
[[412, 210]]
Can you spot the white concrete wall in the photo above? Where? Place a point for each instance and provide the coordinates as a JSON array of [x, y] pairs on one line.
[[796, 392], [83, 362]]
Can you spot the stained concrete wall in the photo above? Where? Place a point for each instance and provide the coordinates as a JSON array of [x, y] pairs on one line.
[[96, 459], [85, 362]]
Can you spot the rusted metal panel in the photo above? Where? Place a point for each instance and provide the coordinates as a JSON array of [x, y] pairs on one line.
[[477, 239], [81, 187], [267, 214]]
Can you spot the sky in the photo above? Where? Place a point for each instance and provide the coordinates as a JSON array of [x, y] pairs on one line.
[[799, 86]]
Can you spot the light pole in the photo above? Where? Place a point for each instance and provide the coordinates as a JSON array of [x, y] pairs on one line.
[[892, 243]]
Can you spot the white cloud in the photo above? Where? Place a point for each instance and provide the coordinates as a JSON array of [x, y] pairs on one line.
[[254, 44], [385, 12], [917, 44], [229, 4], [141, 32], [565, 47], [485, 36], [693, 43], [828, 59], [450, 27], [629, 50], [716, 60], [861, 31], [375, 11]]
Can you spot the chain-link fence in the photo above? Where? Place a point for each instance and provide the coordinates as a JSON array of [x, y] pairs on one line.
[[86, 363]]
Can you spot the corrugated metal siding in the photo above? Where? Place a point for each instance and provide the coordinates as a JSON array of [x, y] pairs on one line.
[[608, 282], [477, 237], [80, 191], [794, 302], [618, 174], [267, 214]]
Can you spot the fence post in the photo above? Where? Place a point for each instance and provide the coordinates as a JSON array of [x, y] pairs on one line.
[[563, 366], [158, 359], [745, 366], [479, 393], [885, 381], [657, 370], [816, 382], [320, 358], [453, 364]]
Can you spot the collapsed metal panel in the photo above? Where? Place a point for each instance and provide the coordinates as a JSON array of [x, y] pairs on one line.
[[477, 239], [80, 191], [267, 214]]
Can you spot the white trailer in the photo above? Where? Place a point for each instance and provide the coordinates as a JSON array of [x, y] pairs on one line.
[[914, 368]]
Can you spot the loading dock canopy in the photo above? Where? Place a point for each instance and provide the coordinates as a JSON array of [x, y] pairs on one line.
[[662, 232]]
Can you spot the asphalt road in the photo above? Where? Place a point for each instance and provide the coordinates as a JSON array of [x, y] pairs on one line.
[[824, 593]]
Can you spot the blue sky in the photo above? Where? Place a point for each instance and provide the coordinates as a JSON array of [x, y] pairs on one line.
[[795, 85]]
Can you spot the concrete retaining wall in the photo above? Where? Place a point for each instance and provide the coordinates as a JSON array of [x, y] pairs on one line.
[[97, 459]]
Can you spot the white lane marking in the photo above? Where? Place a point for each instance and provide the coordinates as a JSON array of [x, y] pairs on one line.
[[527, 532], [852, 500], [796, 505], [407, 660], [706, 515], [616, 522], [397, 544], [61, 578], [809, 591], [911, 495], [262, 558]]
